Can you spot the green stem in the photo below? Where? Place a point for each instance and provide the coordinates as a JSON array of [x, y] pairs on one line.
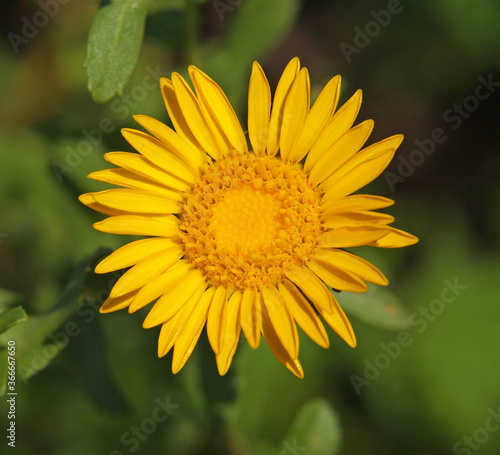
[[191, 32]]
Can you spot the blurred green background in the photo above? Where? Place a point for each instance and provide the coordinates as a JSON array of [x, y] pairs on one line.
[[425, 377]]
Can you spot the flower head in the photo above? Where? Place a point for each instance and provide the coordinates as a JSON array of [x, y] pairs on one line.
[[239, 239]]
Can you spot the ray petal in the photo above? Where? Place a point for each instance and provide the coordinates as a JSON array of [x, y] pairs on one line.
[[311, 286], [356, 202], [316, 119], [294, 113], [340, 152], [216, 102], [146, 270], [251, 317], [191, 332], [193, 283], [217, 317], [395, 238], [336, 277], [343, 260], [338, 125], [278, 350], [134, 252], [138, 164], [282, 90], [139, 225], [138, 201], [119, 303], [303, 313], [194, 116], [275, 309], [156, 152], [259, 109], [349, 236], [231, 334], [174, 142]]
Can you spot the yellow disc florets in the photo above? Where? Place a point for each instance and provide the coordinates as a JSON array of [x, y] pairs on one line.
[[248, 219]]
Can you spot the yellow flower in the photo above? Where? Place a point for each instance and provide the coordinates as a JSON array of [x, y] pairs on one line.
[[245, 240]]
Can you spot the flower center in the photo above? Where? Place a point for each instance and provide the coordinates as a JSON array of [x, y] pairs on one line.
[[248, 219]]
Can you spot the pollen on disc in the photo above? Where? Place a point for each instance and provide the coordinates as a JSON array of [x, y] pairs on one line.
[[246, 219]]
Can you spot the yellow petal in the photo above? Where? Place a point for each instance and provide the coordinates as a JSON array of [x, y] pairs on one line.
[[343, 260], [338, 125], [356, 177], [171, 329], [251, 317], [216, 321], [294, 113], [193, 115], [192, 284], [175, 143], [138, 164], [303, 313], [231, 333], [341, 151], [357, 163], [138, 201], [352, 236], [146, 270], [338, 321], [279, 352], [139, 225], [191, 331], [160, 285], [124, 177], [216, 102], [316, 119], [134, 252], [284, 85], [362, 218], [396, 238], [336, 277], [356, 202], [176, 115], [311, 286], [169, 333], [116, 304], [156, 152], [220, 139], [89, 201], [279, 316], [259, 109]]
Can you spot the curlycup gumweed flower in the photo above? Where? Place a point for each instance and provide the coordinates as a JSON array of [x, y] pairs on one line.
[[242, 239]]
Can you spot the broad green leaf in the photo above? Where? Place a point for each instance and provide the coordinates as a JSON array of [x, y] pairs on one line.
[[11, 311], [166, 5], [32, 354], [315, 431], [114, 45], [9, 299], [11, 317], [377, 307]]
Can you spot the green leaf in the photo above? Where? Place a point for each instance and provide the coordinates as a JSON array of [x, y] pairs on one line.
[[9, 299], [11, 317], [315, 431], [32, 354], [11, 312], [113, 47], [377, 307]]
